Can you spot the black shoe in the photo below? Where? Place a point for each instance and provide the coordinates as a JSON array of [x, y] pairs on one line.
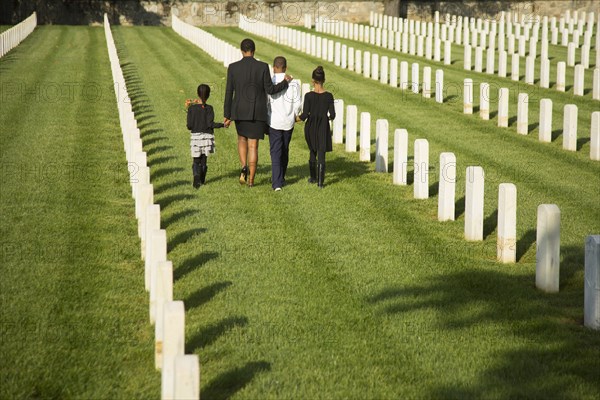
[[243, 176], [203, 169], [321, 177], [312, 166]]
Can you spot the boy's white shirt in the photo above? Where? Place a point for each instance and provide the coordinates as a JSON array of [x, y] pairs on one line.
[[283, 107]]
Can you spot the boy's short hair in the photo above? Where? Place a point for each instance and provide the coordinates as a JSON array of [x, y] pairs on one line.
[[280, 62], [248, 45]]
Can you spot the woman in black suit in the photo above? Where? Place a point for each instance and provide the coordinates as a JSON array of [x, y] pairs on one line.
[[248, 83]]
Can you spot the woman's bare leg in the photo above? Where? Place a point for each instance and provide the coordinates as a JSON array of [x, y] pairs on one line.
[[252, 158], [243, 150]]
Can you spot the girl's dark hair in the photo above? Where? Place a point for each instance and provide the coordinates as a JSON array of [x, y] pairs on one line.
[[318, 74], [203, 92]]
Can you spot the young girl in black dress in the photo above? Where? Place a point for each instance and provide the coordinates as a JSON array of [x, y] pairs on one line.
[[318, 110], [201, 123]]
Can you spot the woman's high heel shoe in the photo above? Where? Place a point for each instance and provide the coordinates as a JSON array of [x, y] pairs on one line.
[[243, 176]]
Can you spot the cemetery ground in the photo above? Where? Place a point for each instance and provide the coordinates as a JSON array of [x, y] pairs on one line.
[[355, 291]]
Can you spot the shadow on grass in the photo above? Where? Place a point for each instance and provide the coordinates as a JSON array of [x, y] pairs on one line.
[[340, 169], [168, 200], [204, 295], [556, 355], [160, 160], [490, 224], [172, 185], [229, 383], [159, 172], [581, 142], [434, 189], [183, 237], [158, 149], [210, 334], [168, 221], [556, 134], [193, 263], [459, 207], [525, 243]]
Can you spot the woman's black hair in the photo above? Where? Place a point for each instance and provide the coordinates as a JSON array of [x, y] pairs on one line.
[[318, 75], [203, 92]]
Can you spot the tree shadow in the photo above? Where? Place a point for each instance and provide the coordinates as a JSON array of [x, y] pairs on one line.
[[204, 295], [229, 383], [210, 334], [490, 224], [193, 263], [525, 243], [469, 301], [183, 237], [459, 207]]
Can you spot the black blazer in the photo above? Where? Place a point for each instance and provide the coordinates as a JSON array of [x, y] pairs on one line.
[[248, 83]]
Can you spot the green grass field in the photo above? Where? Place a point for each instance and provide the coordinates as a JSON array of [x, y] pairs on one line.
[[5, 27], [355, 291], [73, 321]]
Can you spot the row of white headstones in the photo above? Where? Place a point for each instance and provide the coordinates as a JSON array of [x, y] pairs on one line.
[[396, 75], [10, 38], [545, 116], [530, 62], [548, 216], [429, 44], [180, 372], [474, 29]]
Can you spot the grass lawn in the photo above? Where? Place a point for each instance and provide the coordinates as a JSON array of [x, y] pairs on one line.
[[73, 315], [357, 291], [5, 27]]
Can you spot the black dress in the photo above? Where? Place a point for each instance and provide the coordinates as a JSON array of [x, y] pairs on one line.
[[317, 131]]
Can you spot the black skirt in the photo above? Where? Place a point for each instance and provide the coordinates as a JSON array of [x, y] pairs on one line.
[[252, 129]]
